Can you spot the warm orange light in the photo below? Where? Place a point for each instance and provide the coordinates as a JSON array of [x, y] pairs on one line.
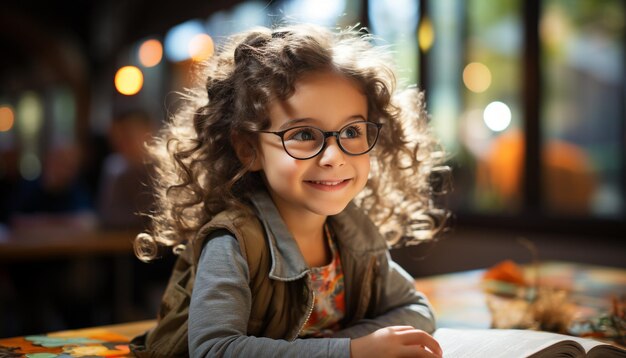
[[505, 163], [425, 34], [201, 47], [568, 178], [477, 77], [150, 53], [7, 118], [128, 80]]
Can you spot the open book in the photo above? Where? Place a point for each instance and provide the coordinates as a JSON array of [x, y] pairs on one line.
[[519, 343]]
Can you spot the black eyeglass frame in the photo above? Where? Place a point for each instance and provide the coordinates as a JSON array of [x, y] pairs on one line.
[[327, 134]]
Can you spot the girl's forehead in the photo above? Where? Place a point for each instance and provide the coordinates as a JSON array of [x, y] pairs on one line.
[[323, 97], [327, 85]]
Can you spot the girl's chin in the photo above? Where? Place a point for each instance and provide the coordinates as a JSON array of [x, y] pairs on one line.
[[330, 210]]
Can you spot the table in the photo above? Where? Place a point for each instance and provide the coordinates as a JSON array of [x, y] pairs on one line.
[[42, 244], [460, 301], [51, 241], [109, 341], [457, 299]]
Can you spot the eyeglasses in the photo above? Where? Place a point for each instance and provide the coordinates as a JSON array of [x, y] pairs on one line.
[[306, 142]]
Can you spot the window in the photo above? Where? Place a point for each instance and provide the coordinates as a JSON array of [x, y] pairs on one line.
[[394, 23], [582, 113], [528, 99]]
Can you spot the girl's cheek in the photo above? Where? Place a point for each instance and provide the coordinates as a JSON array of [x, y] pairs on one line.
[[285, 169], [367, 171]]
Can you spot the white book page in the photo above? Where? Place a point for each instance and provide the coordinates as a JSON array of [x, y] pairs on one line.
[[498, 342]]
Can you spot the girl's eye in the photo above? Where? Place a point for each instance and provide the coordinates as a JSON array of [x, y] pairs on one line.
[[351, 132], [302, 134]]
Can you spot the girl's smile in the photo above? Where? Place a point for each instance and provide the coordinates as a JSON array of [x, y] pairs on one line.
[[328, 185]]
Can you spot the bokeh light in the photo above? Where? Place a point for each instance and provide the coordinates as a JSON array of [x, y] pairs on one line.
[[554, 27], [201, 47], [7, 118], [63, 113], [29, 113], [425, 34], [179, 37], [150, 53], [477, 77], [30, 166], [314, 11], [497, 116], [128, 80]]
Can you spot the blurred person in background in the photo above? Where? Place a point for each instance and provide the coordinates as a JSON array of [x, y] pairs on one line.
[[125, 191], [58, 198], [124, 185]]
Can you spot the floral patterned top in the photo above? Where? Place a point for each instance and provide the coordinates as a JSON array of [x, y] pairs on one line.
[[329, 309]]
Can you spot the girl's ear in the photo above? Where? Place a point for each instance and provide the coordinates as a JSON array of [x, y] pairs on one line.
[[246, 152]]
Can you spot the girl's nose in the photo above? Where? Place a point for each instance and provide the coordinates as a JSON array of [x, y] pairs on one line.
[[332, 155]]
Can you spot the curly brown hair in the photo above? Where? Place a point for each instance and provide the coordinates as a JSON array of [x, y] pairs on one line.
[[200, 175]]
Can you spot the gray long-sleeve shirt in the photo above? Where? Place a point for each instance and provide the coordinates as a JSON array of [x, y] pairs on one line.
[[221, 300]]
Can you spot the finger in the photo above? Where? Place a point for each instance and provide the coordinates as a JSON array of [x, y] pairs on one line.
[[402, 328], [436, 350], [434, 346], [420, 338], [417, 351]]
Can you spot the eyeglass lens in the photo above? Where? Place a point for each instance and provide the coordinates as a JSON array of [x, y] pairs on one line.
[[355, 138]]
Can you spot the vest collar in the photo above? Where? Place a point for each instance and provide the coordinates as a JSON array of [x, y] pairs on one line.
[[287, 261]]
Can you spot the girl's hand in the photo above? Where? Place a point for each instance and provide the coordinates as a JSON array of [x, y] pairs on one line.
[[396, 341]]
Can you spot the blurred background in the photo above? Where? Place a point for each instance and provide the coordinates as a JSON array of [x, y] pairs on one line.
[[528, 98]]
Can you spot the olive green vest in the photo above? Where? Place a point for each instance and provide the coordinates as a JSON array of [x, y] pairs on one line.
[[169, 337]]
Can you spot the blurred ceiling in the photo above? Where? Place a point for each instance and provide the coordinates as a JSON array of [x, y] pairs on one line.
[[66, 35]]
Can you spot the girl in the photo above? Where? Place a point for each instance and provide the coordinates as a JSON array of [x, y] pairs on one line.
[[276, 181]]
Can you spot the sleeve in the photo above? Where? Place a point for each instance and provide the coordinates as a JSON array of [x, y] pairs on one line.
[[220, 307], [400, 304]]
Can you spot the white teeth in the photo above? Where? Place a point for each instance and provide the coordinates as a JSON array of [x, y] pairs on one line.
[[331, 183]]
